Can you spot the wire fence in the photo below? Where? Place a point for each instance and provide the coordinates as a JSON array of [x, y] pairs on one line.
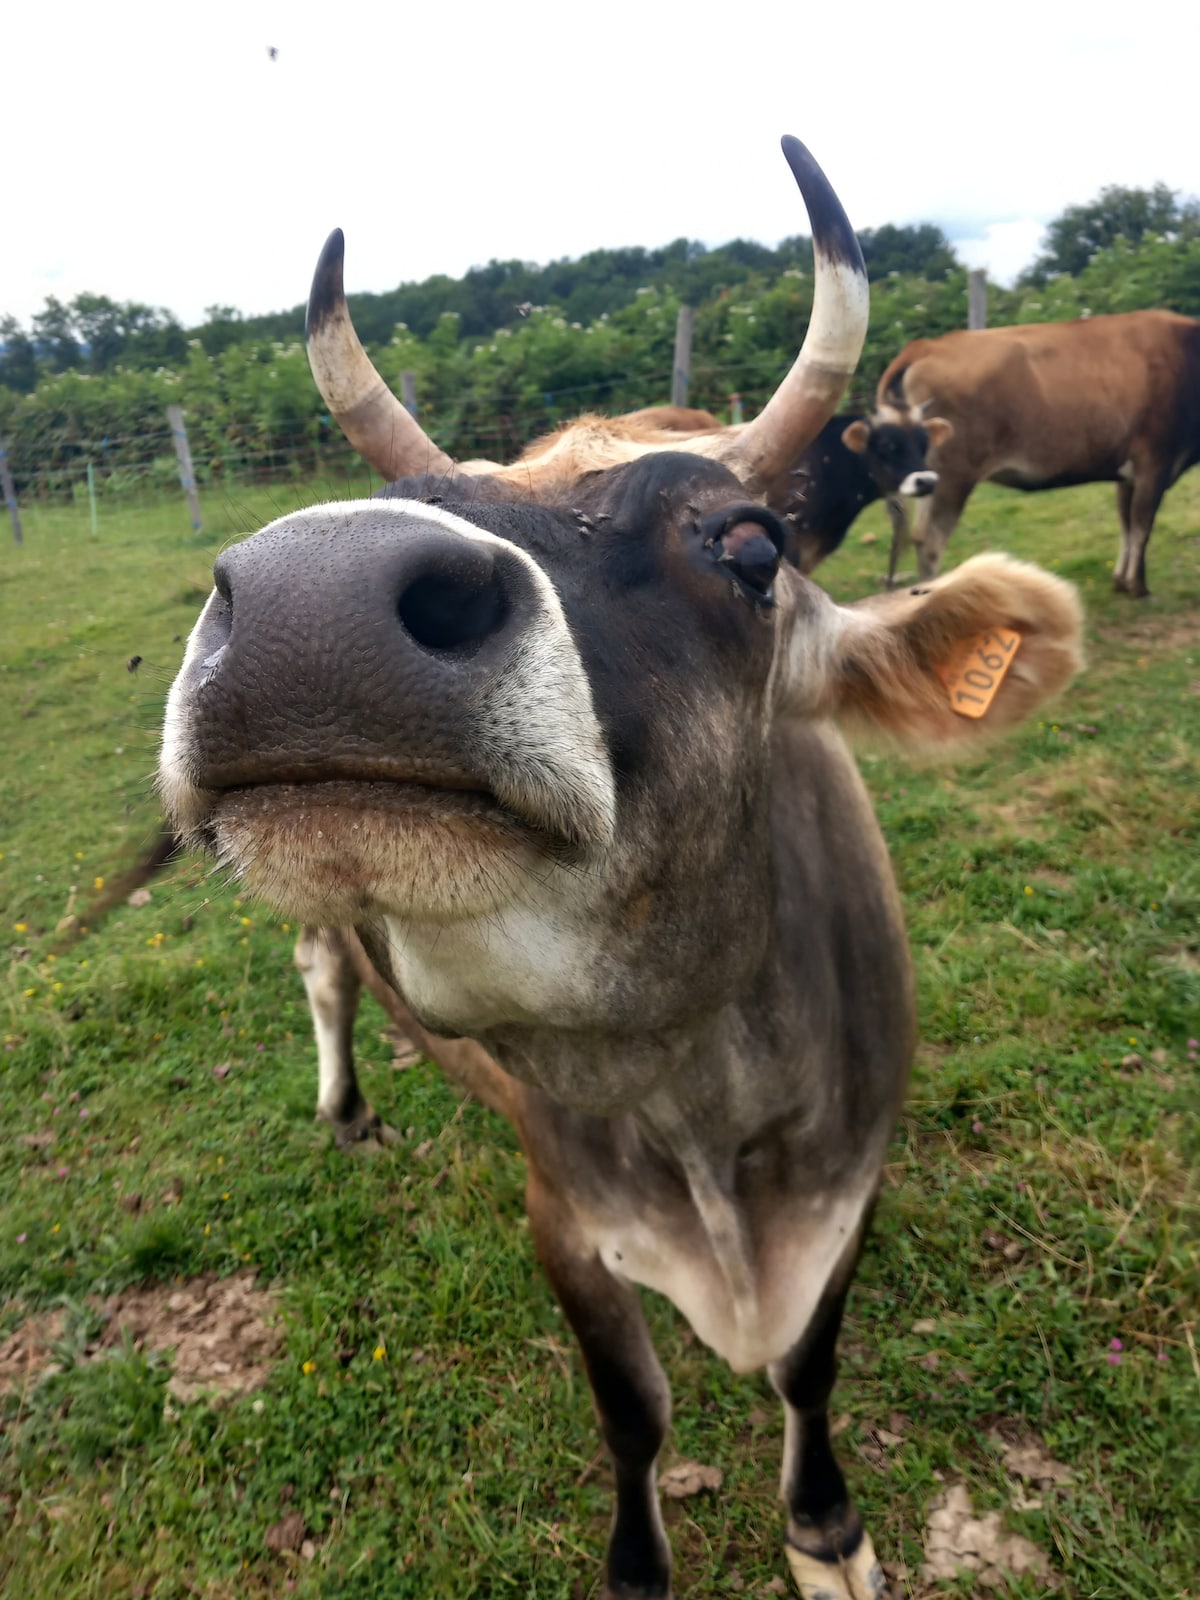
[[98, 464], [115, 467]]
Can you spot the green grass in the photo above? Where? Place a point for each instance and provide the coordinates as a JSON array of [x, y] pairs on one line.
[[1036, 1202]]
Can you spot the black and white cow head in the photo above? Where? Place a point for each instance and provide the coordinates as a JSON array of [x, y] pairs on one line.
[[895, 451]]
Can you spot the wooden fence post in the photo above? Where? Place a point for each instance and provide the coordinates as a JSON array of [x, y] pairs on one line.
[[408, 392], [735, 409], [977, 298], [183, 455], [683, 355], [10, 496]]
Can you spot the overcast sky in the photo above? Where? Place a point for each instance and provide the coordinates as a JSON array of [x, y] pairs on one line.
[[158, 152]]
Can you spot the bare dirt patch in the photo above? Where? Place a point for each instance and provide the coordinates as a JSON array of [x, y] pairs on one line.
[[1024, 816], [223, 1334], [1049, 878], [1027, 1459], [689, 1477], [28, 1352], [956, 1540], [1167, 637], [1183, 955]]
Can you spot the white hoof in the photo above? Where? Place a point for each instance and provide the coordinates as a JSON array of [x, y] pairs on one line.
[[858, 1577]]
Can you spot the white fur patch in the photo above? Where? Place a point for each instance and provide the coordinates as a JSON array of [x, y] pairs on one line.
[[184, 803], [328, 1006], [536, 731], [540, 730], [750, 1313], [918, 483]]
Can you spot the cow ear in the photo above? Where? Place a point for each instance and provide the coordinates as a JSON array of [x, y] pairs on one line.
[[938, 430], [856, 437], [915, 666]]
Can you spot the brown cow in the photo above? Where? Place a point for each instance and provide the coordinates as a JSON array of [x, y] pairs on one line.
[[559, 742], [1105, 399]]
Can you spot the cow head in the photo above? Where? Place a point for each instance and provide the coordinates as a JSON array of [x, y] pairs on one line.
[[895, 450], [531, 744], [525, 740]]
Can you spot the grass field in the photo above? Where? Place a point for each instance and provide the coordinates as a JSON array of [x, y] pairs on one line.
[[424, 1428]]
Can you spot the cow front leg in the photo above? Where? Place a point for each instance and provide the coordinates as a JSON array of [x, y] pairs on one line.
[[828, 1550], [629, 1390], [1124, 503], [1137, 507], [333, 987], [898, 516], [937, 515]]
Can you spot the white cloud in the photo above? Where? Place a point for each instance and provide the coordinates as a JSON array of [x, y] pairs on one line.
[[158, 153], [1004, 249]]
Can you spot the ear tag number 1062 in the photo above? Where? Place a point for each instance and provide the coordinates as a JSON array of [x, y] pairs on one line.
[[977, 668]]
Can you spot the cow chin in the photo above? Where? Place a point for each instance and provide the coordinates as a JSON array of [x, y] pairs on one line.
[[336, 853]]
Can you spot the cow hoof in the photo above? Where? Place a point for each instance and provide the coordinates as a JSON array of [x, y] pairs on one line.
[[363, 1133], [856, 1577]]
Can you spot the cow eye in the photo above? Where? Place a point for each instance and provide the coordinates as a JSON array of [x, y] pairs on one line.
[[748, 543]]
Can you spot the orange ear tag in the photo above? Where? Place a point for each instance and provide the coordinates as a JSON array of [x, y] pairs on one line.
[[977, 669]]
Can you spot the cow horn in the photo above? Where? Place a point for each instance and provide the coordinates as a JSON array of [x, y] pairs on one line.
[[809, 395], [385, 433]]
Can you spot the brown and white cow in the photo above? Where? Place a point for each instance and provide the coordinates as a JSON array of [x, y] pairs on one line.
[[1053, 404], [560, 742]]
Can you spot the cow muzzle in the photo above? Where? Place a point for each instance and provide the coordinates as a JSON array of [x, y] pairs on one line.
[[918, 484], [386, 656]]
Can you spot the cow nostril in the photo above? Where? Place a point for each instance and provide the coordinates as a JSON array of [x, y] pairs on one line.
[[443, 612], [222, 582]]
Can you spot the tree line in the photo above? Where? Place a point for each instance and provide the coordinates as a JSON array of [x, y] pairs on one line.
[[93, 333], [511, 350]]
